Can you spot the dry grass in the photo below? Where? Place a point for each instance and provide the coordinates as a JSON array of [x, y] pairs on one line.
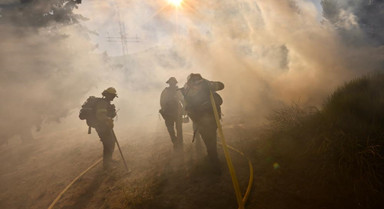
[[341, 143]]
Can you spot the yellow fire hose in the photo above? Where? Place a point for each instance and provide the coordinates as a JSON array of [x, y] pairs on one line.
[[72, 182], [235, 182], [250, 181]]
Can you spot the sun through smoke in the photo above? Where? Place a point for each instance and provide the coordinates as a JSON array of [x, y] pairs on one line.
[[176, 3]]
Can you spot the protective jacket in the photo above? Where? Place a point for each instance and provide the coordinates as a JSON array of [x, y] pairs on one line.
[[105, 112], [171, 102], [197, 98]]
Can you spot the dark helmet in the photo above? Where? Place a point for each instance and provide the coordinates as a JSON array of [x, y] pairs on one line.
[[109, 91], [172, 80], [194, 77]]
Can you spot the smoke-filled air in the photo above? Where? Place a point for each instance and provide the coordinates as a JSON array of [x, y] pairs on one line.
[[287, 94]]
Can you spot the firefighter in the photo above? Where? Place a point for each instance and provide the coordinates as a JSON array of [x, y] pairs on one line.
[[171, 103], [199, 108], [105, 112]]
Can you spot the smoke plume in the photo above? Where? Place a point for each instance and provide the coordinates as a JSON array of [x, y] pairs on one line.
[[46, 65], [267, 53]]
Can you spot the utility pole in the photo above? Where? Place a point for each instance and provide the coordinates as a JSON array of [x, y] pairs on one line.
[[123, 38]]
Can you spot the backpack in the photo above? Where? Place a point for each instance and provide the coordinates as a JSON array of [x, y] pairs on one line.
[[88, 111], [200, 102], [170, 103]]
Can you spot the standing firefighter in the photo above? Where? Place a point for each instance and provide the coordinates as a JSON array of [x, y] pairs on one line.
[[171, 102], [199, 108], [99, 114]]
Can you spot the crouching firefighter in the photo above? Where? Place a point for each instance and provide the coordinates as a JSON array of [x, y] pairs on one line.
[[199, 108], [99, 114], [171, 103]]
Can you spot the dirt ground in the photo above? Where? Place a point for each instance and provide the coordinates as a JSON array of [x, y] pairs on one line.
[[33, 174]]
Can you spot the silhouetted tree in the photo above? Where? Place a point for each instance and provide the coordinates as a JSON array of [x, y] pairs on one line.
[[40, 13]]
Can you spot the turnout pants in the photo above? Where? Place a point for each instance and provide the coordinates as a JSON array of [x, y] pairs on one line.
[[172, 123], [107, 138], [206, 126]]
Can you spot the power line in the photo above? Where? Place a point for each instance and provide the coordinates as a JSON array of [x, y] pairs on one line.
[[123, 38]]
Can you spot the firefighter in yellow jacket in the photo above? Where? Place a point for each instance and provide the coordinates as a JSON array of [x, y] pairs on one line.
[[105, 112]]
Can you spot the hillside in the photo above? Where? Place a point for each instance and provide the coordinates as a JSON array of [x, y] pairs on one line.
[[332, 156], [303, 158]]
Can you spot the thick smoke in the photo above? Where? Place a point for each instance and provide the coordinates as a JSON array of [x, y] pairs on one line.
[[267, 53], [46, 65], [357, 20]]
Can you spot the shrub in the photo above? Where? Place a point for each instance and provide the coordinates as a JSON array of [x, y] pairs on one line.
[[345, 138]]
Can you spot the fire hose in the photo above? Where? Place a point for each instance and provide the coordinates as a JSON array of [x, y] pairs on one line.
[[85, 171], [240, 200]]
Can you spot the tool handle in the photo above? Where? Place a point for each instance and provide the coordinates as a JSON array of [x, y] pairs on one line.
[[118, 145]]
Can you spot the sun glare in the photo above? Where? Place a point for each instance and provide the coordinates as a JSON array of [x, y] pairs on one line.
[[175, 3]]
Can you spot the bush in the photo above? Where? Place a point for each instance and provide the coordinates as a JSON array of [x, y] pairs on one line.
[[345, 138], [354, 122]]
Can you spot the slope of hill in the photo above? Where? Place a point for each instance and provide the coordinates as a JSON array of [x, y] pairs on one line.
[[332, 156]]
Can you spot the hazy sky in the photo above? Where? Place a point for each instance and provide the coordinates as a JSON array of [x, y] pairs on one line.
[[267, 53], [141, 20], [276, 51]]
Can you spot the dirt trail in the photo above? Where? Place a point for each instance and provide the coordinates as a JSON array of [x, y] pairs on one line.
[[32, 173], [159, 177]]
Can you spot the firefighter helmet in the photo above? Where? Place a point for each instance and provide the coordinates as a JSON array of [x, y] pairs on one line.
[[172, 80], [110, 90]]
